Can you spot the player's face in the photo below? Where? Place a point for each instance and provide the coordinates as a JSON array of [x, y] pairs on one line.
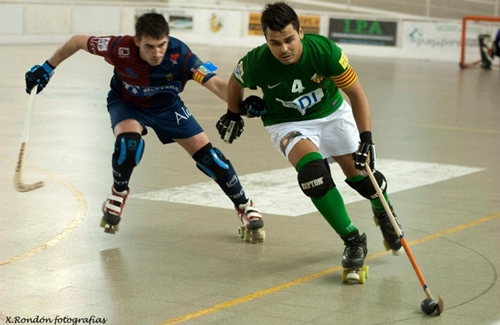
[[152, 50], [286, 44]]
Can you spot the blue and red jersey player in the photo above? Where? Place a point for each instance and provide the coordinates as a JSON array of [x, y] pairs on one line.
[[138, 82], [138, 87], [151, 69]]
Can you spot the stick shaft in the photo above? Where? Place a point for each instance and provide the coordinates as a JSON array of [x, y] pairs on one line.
[[29, 114], [398, 231], [18, 184]]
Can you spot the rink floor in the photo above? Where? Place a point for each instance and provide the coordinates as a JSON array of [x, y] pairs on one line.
[[177, 258]]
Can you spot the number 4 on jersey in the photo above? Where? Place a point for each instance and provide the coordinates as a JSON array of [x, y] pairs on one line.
[[297, 86]]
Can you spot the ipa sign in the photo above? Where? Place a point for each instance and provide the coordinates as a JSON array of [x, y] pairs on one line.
[[361, 31]]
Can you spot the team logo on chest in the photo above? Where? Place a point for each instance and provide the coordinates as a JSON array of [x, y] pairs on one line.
[[174, 57], [130, 73], [317, 78]]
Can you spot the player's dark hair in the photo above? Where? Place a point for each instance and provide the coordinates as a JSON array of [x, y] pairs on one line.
[[276, 16], [151, 24]]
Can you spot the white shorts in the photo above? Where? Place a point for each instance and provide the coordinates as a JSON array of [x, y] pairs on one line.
[[334, 135]]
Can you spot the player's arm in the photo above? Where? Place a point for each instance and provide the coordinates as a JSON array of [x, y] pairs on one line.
[[360, 106], [230, 125], [70, 47], [234, 95], [218, 86], [362, 114], [252, 106], [39, 75]]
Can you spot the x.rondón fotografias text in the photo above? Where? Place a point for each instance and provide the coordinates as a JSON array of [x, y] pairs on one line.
[[54, 320]]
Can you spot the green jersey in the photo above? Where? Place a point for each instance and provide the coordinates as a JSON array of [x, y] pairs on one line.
[[305, 90]]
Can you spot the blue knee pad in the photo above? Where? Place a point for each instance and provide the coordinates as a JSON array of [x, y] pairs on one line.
[[129, 148], [315, 179], [212, 162]]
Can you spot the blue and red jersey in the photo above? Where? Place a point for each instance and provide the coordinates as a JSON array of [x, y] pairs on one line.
[[137, 82]]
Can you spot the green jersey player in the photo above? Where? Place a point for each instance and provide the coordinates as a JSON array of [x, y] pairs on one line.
[[309, 121]]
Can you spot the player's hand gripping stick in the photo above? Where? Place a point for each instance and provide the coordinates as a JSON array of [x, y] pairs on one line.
[[38, 76], [366, 152], [230, 126]]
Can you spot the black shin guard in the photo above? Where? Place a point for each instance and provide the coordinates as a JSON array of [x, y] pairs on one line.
[[366, 188]]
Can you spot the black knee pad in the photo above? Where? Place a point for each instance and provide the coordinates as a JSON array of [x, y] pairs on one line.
[[211, 161], [365, 186], [315, 179], [129, 148]]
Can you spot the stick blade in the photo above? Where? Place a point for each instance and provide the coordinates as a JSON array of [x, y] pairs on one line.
[[20, 187], [440, 306]]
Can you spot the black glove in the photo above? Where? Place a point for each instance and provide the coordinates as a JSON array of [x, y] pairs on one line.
[[253, 106], [38, 75], [365, 153], [230, 126]]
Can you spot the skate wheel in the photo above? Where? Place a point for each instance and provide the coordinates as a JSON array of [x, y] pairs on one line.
[[386, 245], [103, 222], [109, 230], [363, 274], [397, 252], [358, 276], [263, 235], [344, 276], [247, 235], [362, 277], [241, 231], [258, 237], [352, 276]]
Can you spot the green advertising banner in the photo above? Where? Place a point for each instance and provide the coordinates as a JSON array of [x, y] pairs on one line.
[[366, 32]]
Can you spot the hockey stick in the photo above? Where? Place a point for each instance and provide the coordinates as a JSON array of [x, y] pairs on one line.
[[18, 184], [428, 305], [468, 65]]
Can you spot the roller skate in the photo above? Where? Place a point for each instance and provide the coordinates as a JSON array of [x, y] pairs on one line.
[[486, 48], [252, 223], [112, 209], [353, 258], [391, 238]]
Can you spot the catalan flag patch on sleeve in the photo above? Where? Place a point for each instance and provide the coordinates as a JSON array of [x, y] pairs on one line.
[[202, 71], [345, 79]]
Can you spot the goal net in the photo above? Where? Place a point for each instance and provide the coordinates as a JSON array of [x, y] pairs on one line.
[[472, 27]]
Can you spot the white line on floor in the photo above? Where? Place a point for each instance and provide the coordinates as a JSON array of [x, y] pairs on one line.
[[277, 191]]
